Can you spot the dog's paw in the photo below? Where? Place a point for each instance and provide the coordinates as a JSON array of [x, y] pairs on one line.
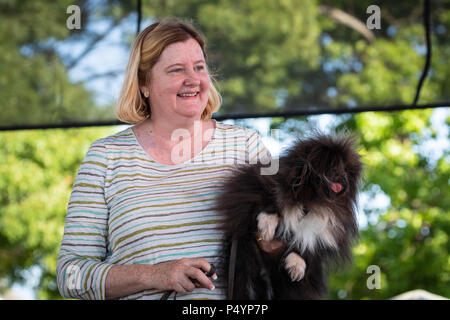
[[295, 266], [267, 224]]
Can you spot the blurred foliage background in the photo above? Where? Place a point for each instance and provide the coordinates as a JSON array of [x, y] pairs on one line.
[[266, 55]]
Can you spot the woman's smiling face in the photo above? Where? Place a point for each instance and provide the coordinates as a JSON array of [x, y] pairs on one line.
[[179, 82]]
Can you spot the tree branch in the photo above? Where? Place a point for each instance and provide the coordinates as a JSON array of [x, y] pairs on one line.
[[94, 41], [348, 20], [102, 75]]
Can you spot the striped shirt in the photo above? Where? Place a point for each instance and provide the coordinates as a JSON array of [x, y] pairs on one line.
[[125, 208]]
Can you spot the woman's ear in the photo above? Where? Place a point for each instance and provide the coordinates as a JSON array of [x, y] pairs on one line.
[[145, 91]]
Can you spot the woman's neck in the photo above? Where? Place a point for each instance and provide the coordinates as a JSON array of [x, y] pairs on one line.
[[168, 134]]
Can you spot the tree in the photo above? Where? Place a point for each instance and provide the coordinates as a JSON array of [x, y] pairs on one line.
[[37, 171], [409, 242], [34, 82]]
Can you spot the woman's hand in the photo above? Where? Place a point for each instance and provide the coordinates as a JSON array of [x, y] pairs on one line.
[[182, 275], [274, 248]]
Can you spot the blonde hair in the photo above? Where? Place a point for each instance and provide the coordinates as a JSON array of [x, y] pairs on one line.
[[132, 106]]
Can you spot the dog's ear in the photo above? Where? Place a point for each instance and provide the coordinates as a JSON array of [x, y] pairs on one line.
[[299, 175]]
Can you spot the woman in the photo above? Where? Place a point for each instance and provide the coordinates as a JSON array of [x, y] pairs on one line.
[[141, 217]]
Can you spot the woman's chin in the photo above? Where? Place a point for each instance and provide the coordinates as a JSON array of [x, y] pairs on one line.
[[190, 111]]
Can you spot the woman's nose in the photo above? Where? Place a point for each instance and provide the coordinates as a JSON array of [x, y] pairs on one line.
[[192, 79], [191, 82]]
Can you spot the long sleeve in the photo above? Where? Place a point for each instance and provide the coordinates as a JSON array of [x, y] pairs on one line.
[[81, 270]]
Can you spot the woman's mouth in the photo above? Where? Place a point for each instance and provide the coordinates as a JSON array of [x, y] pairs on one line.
[[188, 95]]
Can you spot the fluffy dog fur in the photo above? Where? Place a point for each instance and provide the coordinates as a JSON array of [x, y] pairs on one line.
[[309, 204]]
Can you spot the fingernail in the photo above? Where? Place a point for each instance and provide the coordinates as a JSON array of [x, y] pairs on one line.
[[212, 288], [214, 277]]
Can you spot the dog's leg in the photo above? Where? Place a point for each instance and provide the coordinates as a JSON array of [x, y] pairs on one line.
[[295, 266], [267, 224]]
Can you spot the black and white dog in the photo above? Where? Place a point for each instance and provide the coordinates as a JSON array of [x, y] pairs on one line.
[[309, 203]]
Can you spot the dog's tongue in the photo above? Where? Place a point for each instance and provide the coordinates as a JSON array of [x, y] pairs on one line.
[[336, 187]]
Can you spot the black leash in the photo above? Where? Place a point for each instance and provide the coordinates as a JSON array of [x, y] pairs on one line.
[[263, 272], [232, 268], [167, 294]]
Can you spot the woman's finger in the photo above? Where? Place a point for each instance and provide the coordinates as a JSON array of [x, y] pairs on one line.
[[273, 247], [200, 278], [204, 265], [200, 263], [187, 284]]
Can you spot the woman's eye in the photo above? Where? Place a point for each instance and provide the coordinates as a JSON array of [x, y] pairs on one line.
[[200, 68]]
